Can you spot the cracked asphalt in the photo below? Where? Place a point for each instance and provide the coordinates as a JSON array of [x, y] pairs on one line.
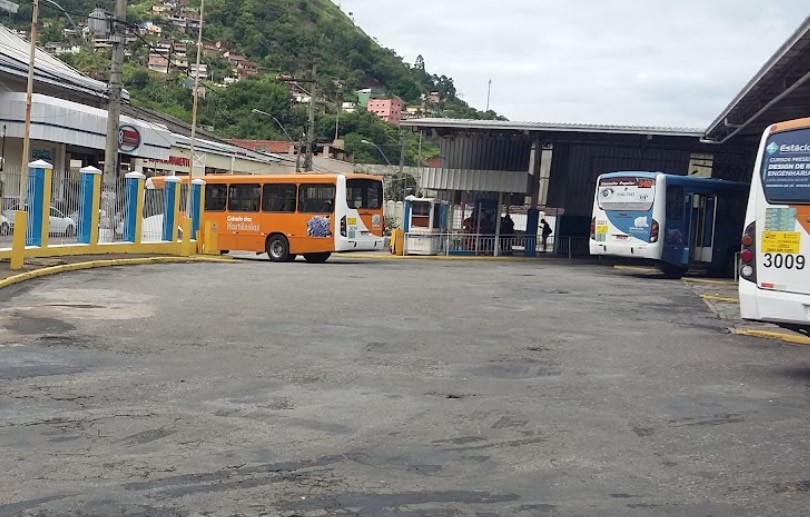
[[392, 388]]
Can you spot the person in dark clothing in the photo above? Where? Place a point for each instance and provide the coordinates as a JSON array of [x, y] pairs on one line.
[[545, 233], [507, 233]]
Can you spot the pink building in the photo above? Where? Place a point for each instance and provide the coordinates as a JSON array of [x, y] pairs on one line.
[[390, 110]]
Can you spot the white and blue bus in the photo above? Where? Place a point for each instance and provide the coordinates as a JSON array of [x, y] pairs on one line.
[[774, 268], [676, 222]]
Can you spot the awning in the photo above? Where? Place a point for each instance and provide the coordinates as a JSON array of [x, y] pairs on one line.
[[66, 122]]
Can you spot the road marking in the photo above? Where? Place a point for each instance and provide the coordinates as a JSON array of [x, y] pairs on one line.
[[725, 299], [794, 339], [709, 281], [639, 269]]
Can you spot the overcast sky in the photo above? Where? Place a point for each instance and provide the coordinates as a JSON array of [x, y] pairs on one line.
[[656, 62]]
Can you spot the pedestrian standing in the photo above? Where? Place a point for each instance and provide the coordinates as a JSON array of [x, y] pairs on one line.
[[545, 233]]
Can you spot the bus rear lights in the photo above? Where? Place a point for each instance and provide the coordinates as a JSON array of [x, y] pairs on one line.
[[767, 285], [343, 226], [748, 268], [654, 230], [593, 228]]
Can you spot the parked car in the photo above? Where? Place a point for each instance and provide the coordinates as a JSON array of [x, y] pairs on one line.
[[5, 226], [151, 230], [58, 223]]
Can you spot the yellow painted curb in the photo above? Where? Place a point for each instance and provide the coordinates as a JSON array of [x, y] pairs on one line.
[[92, 264], [638, 269], [794, 339], [709, 281], [719, 298], [430, 257]]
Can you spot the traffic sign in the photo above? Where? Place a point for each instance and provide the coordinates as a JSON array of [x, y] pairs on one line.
[[9, 6]]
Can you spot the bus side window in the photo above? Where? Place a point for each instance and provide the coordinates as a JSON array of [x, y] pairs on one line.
[[216, 197], [279, 197], [675, 203], [317, 198], [244, 198]]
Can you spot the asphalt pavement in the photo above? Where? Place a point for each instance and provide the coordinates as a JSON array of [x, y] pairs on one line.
[[392, 388]]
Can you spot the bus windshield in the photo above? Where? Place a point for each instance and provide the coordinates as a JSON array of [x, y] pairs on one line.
[[786, 167], [627, 193]]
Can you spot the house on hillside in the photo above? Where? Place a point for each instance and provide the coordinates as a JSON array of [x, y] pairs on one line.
[[201, 72], [390, 110], [192, 20], [60, 48], [366, 94], [159, 63], [245, 69], [161, 10], [211, 49], [234, 57]]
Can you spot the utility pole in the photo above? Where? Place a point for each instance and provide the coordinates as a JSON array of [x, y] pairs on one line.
[[489, 93], [339, 108], [26, 152], [118, 38], [311, 124], [402, 165], [194, 111]]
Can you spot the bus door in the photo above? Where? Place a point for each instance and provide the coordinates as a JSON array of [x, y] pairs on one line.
[[676, 227], [278, 211], [701, 235], [243, 218]]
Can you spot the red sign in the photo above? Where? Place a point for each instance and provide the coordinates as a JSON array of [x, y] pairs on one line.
[[129, 139], [175, 160]]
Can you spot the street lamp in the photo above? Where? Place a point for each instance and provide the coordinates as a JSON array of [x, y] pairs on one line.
[[278, 122], [367, 142]]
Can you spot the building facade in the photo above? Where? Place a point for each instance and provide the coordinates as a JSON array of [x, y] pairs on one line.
[[390, 110]]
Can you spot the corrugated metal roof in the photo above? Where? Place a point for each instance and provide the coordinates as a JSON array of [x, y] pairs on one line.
[[504, 125], [787, 72], [14, 56]]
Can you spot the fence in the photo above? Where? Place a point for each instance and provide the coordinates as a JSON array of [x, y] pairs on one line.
[[75, 215], [477, 245]]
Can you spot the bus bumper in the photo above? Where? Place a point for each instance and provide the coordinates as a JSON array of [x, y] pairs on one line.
[[365, 244], [773, 306], [641, 251]]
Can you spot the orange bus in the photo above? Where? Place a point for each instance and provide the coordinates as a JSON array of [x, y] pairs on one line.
[[307, 214]]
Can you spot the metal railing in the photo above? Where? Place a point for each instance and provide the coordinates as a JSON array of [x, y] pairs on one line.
[[472, 244]]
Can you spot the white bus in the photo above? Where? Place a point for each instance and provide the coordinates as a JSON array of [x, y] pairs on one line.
[[774, 269], [674, 222]]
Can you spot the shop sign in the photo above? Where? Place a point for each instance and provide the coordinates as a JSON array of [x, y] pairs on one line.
[[129, 139]]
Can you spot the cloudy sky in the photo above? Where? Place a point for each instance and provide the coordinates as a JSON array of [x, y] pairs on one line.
[[657, 62]]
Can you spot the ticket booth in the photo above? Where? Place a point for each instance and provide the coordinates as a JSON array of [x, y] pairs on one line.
[[425, 225]]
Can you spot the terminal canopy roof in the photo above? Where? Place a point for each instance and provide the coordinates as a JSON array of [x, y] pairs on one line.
[[779, 91]]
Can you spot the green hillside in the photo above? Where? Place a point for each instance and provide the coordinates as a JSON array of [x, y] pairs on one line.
[[285, 37]]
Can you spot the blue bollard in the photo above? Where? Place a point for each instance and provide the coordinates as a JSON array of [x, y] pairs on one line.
[[196, 206], [170, 194], [131, 215], [532, 220], [87, 191], [37, 179]]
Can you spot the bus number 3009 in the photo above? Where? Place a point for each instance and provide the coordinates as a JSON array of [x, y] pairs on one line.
[[780, 261]]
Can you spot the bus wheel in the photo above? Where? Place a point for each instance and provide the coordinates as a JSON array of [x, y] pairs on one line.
[[671, 271], [317, 258], [278, 249]]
